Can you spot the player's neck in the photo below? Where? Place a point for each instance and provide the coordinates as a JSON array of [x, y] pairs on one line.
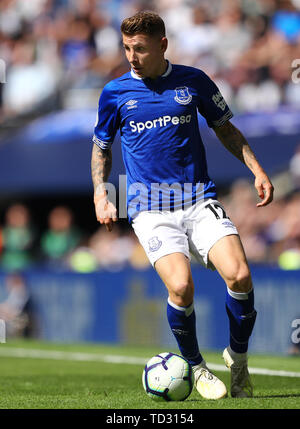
[[161, 69]]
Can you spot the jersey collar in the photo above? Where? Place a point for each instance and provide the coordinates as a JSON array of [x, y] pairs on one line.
[[166, 73]]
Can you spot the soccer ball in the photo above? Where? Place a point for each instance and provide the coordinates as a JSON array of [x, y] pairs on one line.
[[168, 377]]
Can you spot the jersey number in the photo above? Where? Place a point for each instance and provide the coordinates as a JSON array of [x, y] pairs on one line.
[[215, 209]]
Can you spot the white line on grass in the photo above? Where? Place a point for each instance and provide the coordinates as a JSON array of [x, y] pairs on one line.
[[93, 357]]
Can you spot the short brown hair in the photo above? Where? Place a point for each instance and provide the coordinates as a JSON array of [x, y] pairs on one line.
[[149, 23]]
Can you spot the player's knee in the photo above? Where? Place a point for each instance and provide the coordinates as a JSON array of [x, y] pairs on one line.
[[181, 293], [240, 279]]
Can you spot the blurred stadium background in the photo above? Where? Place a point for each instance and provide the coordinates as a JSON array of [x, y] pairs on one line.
[[63, 278]]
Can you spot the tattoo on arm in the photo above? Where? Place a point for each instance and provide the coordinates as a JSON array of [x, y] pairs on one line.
[[235, 142], [100, 167]]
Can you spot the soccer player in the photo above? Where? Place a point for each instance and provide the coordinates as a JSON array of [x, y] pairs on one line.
[[171, 200]]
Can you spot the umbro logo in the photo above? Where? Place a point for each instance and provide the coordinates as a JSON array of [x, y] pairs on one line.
[[131, 104]]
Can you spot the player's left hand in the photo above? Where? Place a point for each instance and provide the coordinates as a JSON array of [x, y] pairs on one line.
[[264, 189]]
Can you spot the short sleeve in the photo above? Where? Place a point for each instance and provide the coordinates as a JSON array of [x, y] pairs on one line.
[[212, 105], [107, 122]]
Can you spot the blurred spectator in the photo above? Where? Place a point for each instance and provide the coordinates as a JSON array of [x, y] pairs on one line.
[[288, 233], [61, 53], [17, 309], [292, 95], [295, 168], [18, 239], [1, 241], [195, 43], [238, 202], [234, 38], [138, 258], [76, 43], [61, 237], [31, 82], [269, 235], [266, 234], [286, 21], [83, 260], [283, 232], [290, 259], [113, 250]]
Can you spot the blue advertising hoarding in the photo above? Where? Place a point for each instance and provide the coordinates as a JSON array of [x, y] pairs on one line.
[[129, 307]]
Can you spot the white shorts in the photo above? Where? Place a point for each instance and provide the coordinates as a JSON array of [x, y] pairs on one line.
[[191, 231]]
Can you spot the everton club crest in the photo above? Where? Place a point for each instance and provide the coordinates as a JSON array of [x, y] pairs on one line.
[[182, 95], [154, 244]]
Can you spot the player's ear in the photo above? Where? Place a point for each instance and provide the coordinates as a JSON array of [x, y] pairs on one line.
[[164, 44]]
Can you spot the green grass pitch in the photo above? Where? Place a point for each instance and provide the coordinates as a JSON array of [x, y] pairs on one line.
[[75, 380]]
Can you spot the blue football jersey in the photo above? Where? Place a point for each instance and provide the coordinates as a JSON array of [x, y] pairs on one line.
[[162, 149]]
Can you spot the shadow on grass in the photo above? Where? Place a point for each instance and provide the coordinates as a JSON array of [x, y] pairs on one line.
[[293, 395]]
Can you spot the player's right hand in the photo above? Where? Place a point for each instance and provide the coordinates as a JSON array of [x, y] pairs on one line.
[[106, 212]]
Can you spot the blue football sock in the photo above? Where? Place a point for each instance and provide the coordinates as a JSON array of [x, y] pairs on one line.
[[242, 314], [182, 321]]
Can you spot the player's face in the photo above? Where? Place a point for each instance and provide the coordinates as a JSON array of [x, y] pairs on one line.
[[145, 54]]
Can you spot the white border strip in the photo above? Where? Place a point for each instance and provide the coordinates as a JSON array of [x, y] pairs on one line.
[[131, 360]]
